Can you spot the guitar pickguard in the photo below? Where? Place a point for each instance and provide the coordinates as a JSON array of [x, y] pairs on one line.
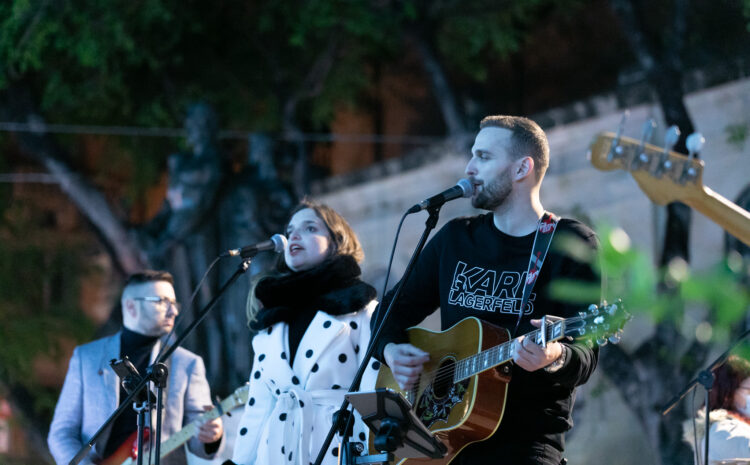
[[432, 408]]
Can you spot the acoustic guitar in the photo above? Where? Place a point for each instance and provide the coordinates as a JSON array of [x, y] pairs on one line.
[[460, 396], [127, 453], [666, 176]]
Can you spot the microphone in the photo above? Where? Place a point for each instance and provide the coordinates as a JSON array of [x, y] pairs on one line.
[[463, 188], [277, 243]]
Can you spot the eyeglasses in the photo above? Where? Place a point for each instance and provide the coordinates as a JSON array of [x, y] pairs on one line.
[[161, 300]]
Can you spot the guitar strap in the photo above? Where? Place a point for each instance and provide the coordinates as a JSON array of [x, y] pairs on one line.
[[542, 239]]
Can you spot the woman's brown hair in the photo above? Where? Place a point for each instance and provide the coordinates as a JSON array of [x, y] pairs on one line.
[[343, 239], [728, 378]]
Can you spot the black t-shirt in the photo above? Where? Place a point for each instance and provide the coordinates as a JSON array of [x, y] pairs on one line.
[[470, 268]]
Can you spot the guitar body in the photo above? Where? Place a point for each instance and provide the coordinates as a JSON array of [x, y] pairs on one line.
[[461, 413], [126, 453]]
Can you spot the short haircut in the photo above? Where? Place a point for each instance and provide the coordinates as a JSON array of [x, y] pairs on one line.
[[527, 139], [147, 276]]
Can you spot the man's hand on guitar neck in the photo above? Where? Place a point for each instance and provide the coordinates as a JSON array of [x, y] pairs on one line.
[[531, 356], [405, 362], [212, 430]]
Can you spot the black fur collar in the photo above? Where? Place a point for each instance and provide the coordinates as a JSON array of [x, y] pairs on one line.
[[334, 287]]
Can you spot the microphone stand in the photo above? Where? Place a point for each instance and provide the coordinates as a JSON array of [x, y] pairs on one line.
[[706, 379], [430, 224], [158, 373]]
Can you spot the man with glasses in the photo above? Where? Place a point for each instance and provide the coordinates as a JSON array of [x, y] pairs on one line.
[[92, 390]]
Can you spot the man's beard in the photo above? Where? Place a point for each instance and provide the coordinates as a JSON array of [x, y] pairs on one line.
[[495, 193]]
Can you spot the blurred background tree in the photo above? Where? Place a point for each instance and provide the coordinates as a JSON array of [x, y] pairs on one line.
[[281, 78]]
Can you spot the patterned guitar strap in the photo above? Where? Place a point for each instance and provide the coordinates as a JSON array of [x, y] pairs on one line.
[[542, 239]]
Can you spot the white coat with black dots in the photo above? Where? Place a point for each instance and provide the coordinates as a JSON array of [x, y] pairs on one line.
[[290, 407]]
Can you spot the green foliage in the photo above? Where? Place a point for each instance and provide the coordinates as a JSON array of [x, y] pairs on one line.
[[39, 306], [467, 37], [122, 62], [296, 38], [40, 276], [737, 134], [662, 295], [85, 55], [472, 36]]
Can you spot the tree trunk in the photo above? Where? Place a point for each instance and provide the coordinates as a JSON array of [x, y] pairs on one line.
[[127, 255], [441, 89], [311, 86], [664, 368]]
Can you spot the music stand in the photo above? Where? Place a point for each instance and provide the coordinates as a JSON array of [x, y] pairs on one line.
[[397, 429]]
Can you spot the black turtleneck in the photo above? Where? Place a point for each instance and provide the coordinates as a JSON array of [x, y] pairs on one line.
[[138, 348], [333, 287]]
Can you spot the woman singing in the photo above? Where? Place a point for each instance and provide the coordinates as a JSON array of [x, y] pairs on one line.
[[312, 321]]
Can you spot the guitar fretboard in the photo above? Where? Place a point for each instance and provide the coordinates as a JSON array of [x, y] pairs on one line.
[[502, 353], [238, 398], [182, 436]]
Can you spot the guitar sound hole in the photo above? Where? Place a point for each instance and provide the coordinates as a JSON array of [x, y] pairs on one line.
[[444, 378]]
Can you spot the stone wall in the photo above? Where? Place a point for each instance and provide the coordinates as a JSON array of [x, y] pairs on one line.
[[572, 185]]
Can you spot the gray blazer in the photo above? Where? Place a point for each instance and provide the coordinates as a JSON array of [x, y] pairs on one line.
[[91, 394]]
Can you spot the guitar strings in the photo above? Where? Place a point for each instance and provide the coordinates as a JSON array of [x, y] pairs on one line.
[[444, 372]]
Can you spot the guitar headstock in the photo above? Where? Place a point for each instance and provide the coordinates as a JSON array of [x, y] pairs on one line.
[[237, 398], [599, 323], [664, 176]]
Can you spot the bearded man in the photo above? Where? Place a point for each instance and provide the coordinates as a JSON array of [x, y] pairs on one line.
[[479, 267]]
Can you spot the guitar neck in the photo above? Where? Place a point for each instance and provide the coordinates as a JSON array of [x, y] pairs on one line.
[[184, 435], [497, 355], [735, 220], [237, 398]]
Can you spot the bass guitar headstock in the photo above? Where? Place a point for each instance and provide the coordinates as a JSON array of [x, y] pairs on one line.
[[663, 175]]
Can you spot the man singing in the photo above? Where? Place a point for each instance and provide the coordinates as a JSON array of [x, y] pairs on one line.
[[478, 266]]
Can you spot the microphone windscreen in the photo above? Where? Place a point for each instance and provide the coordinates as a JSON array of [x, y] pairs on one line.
[[279, 242], [466, 187]]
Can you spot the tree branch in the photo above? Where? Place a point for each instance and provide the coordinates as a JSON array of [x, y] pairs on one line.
[[91, 203], [441, 88], [634, 35]]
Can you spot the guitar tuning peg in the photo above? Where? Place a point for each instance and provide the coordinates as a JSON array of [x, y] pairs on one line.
[[648, 130], [623, 119], [615, 338], [593, 309], [612, 309], [670, 139], [695, 143], [602, 341], [616, 149]]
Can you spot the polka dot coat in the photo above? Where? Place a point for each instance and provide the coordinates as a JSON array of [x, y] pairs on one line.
[[289, 410]]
